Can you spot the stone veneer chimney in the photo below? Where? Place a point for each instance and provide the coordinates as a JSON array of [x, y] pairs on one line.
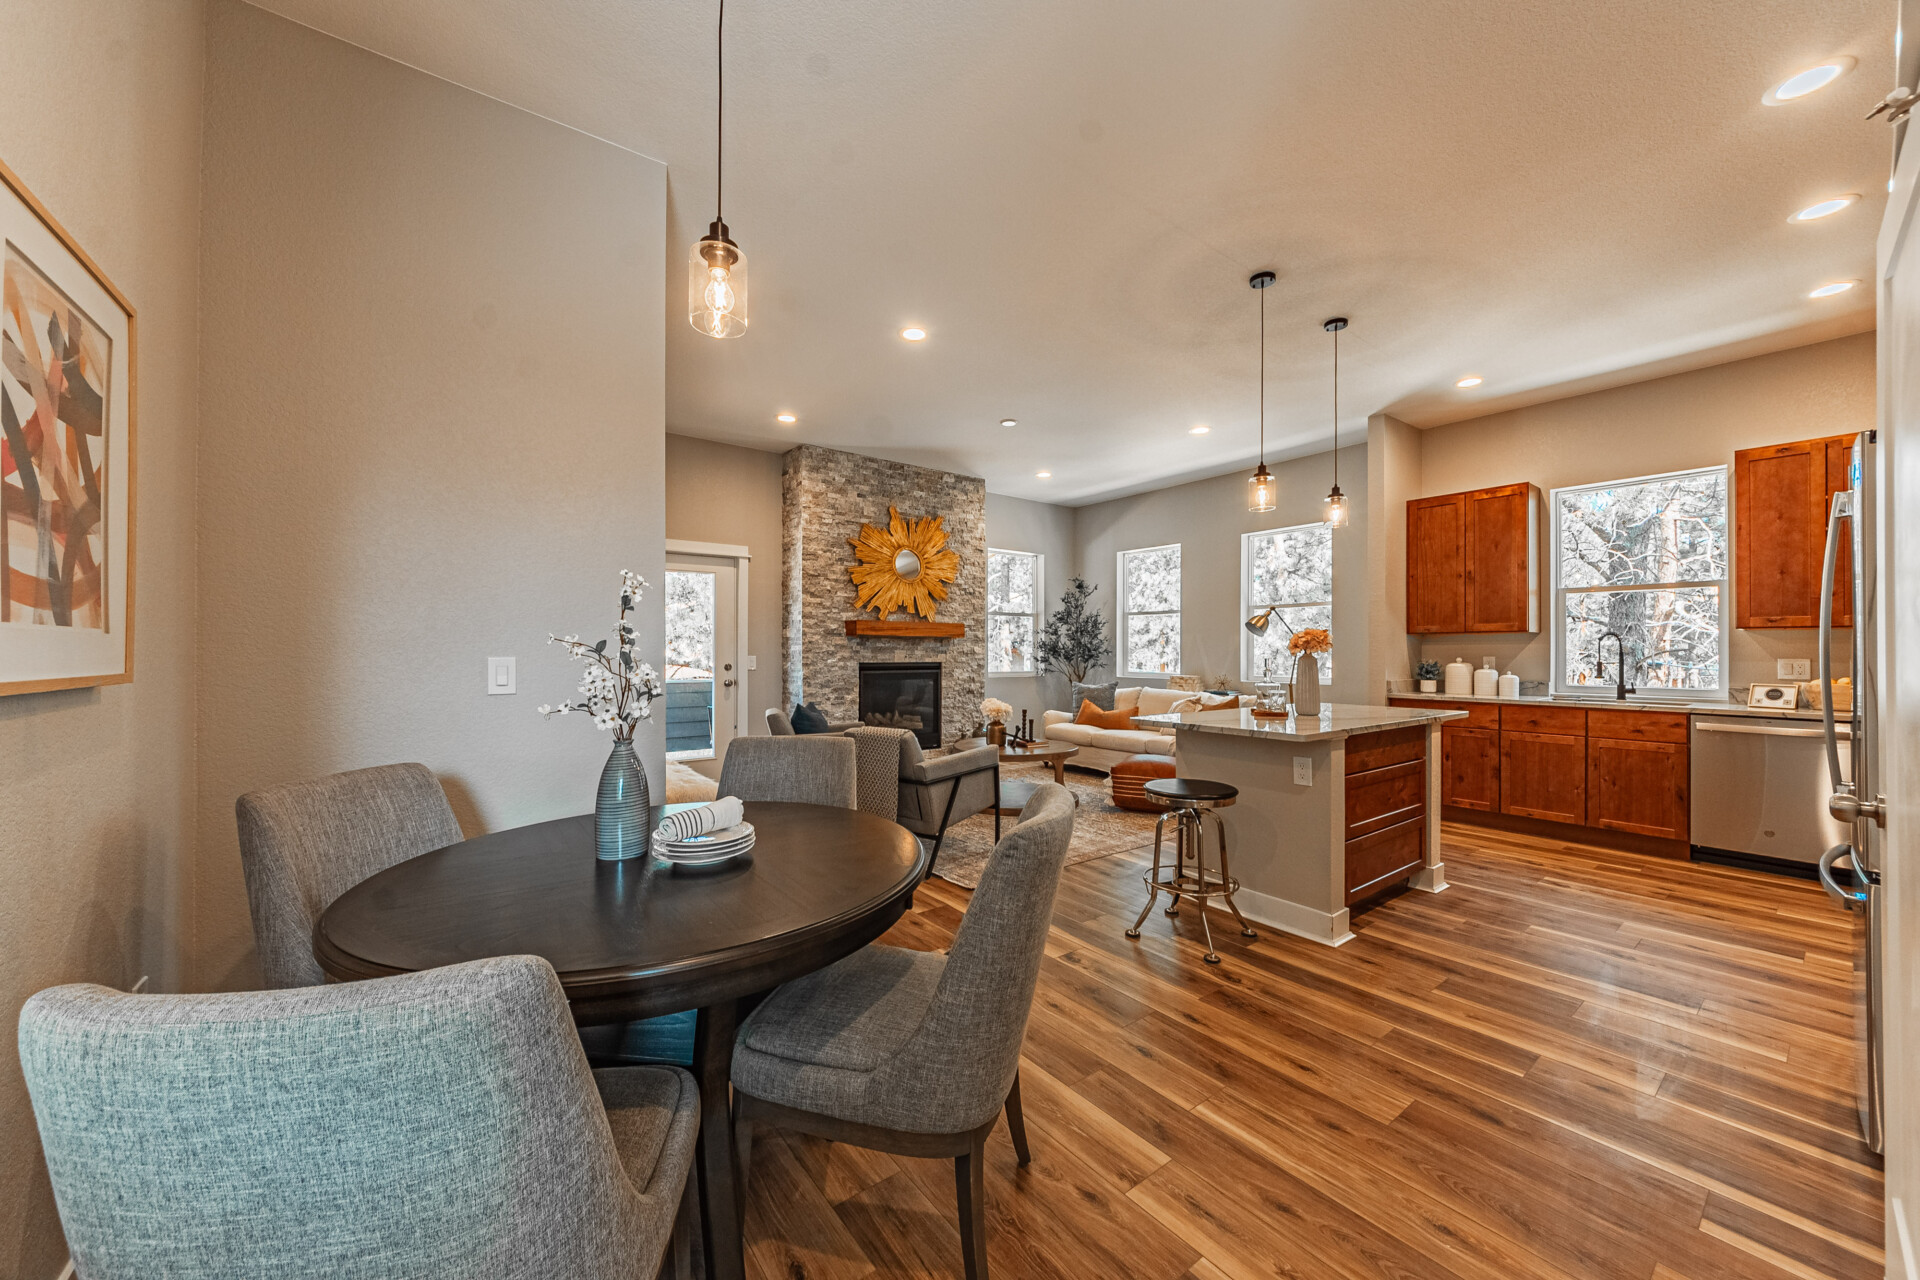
[[827, 495]]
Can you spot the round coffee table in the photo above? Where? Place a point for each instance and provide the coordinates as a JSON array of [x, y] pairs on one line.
[[1015, 792]]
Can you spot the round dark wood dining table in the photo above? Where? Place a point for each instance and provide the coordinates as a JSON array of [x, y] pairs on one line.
[[640, 938]]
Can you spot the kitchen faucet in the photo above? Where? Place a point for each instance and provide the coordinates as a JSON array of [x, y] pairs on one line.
[[1620, 686]]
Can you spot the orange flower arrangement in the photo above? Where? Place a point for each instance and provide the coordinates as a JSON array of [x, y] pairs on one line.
[[1310, 640]]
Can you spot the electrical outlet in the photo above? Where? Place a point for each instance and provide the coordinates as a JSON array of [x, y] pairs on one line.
[[501, 677], [1303, 771], [1792, 669]]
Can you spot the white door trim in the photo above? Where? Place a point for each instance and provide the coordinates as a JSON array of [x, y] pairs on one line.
[[741, 558]]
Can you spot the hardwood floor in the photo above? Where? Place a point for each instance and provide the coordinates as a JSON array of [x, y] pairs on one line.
[[1574, 1063]]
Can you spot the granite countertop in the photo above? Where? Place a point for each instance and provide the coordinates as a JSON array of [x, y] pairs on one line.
[[1632, 704], [1336, 720]]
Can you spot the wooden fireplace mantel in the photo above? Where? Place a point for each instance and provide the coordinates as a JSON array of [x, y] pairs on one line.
[[906, 629]]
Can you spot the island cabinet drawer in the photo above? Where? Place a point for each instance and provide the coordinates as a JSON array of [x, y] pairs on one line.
[[1480, 715], [1369, 751], [1385, 858], [1638, 726], [1381, 798], [1566, 720]]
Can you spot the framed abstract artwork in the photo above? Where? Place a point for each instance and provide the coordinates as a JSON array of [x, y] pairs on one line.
[[66, 458]]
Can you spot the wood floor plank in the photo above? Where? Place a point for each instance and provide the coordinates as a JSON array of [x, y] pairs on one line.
[[1575, 1062]]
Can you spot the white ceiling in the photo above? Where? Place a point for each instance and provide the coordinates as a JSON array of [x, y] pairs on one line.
[[1070, 195]]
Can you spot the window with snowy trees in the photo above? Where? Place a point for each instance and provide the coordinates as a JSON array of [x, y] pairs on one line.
[[1013, 608], [1645, 559], [1293, 569], [1150, 595]]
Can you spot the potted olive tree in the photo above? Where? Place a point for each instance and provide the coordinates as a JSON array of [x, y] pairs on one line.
[[1075, 639]]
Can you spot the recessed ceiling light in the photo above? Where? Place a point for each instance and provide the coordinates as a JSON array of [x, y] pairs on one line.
[[1044, 475], [787, 418], [1799, 86], [1009, 422], [1828, 290], [1824, 208], [1200, 430], [914, 334], [1471, 380]]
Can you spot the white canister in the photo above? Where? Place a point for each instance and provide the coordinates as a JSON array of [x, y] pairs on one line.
[[1509, 685], [1459, 679], [1486, 681]]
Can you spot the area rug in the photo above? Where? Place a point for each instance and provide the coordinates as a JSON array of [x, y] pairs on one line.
[[1099, 829]]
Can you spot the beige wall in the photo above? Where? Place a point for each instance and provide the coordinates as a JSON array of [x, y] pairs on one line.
[[432, 432], [724, 493], [1207, 517], [100, 117], [1695, 419], [1016, 524]]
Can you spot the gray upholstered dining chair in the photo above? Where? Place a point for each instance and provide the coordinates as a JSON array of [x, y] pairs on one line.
[[925, 792], [303, 844], [780, 724], [913, 1052], [809, 768], [438, 1125]]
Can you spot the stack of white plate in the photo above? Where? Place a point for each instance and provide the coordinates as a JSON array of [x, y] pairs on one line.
[[709, 849]]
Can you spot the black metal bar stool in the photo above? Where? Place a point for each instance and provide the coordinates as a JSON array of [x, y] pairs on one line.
[[1190, 803]]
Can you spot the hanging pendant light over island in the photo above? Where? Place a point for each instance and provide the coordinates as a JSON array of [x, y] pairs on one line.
[[1335, 514], [717, 269], [1263, 491]]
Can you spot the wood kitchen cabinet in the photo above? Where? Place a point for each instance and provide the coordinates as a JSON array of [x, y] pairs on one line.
[[1637, 774], [1472, 562], [1543, 763], [1470, 768], [1780, 499]]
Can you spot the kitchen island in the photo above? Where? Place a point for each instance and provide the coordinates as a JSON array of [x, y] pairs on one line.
[[1333, 809]]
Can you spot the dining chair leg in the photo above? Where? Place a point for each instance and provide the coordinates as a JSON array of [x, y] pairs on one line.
[[720, 1216], [1017, 1124], [742, 1149], [970, 1184]]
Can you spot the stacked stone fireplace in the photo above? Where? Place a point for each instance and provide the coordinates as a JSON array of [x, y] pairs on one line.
[[827, 496]]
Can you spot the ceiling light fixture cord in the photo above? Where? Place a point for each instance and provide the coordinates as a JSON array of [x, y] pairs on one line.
[[1336, 408], [719, 104], [1263, 377]]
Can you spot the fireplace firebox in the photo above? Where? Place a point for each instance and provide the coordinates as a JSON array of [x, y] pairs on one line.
[[902, 695]]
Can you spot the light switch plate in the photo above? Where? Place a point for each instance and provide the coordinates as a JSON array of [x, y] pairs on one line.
[[1792, 669], [753, 663], [1303, 771], [500, 675]]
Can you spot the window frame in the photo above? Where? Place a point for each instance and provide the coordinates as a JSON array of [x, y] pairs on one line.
[[1126, 614], [1559, 592], [1039, 597], [1247, 606]]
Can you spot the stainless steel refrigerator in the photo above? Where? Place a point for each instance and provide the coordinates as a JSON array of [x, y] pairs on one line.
[[1850, 871]]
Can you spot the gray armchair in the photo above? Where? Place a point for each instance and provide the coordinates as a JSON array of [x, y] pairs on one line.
[[303, 844], [438, 1126], [780, 724], [928, 791], [913, 1052]]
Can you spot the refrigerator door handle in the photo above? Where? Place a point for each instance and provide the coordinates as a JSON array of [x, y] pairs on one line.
[[1841, 508], [1848, 898]]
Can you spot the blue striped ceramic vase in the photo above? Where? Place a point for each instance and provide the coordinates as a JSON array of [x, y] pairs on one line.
[[620, 813]]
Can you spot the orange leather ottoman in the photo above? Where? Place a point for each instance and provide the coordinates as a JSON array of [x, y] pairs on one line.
[[1128, 781]]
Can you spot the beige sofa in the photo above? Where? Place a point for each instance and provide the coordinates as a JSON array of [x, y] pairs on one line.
[[1103, 748]]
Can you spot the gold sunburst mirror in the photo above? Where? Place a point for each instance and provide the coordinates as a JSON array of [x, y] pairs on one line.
[[904, 566]]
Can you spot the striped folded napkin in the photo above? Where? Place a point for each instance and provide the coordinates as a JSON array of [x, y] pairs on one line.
[[688, 823]]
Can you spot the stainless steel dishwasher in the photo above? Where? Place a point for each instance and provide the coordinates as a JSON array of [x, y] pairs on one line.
[[1760, 789]]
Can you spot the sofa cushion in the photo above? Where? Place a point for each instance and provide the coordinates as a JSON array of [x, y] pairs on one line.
[[1126, 699], [1158, 702], [1090, 714], [1208, 702], [1127, 741], [1100, 695]]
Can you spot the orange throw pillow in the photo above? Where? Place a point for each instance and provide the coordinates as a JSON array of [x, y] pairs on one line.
[[1090, 714]]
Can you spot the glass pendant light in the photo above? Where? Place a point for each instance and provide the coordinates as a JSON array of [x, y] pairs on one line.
[[717, 269], [1336, 509], [1263, 491]]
